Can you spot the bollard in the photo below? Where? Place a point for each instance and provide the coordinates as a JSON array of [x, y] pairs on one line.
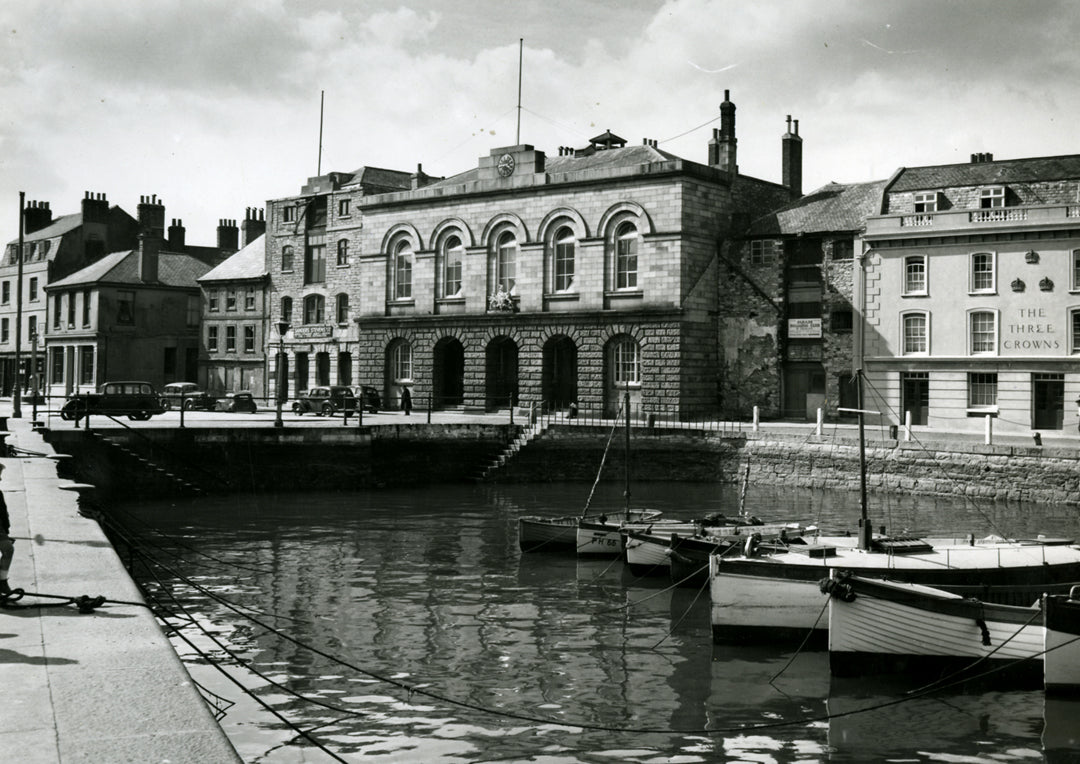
[[907, 426], [820, 422], [989, 434], [894, 432], [757, 419]]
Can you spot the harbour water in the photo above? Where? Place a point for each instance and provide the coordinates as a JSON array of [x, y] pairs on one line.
[[405, 626]]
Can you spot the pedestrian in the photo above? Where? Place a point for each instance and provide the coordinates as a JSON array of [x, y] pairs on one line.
[[7, 546], [406, 400]]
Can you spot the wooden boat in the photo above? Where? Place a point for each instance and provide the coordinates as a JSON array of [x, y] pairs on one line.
[[596, 534], [653, 551], [1061, 659], [774, 597], [888, 627]]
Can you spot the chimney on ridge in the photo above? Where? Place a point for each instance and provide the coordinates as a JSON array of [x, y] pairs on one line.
[[36, 215], [228, 236], [722, 147], [254, 225], [95, 208], [177, 235], [149, 248], [792, 159], [152, 216]]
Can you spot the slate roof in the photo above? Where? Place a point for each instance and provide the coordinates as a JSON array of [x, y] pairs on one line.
[[377, 176], [987, 173], [247, 263], [57, 227], [174, 270], [833, 207]]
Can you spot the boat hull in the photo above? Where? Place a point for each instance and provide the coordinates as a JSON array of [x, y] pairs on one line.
[[777, 599], [599, 536], [1061, 661], [547, 534], [883, 627]]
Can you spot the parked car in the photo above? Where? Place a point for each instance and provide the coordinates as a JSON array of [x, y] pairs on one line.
[[135, 400], [325, 400], [370, 397], [193, 397], [241, 402]]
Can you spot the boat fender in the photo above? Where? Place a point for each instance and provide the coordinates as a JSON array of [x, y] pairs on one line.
[[985, 631], [838, 588], [750, 549]]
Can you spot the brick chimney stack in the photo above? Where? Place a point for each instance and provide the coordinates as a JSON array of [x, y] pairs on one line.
[[228, 235], [254, 224], [36, 215], [792, 159], [95, 208], [177, 236], [149, 248], [152, 216], [722, 147]]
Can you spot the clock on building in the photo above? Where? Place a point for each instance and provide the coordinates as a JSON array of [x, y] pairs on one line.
[[506, 165]]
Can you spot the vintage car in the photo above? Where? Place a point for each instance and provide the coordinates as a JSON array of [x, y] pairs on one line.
[[240, 402], [325, 400], [192, 396], [370, 397], [135, 400]]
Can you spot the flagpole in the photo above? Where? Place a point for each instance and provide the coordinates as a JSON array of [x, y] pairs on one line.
[[521, 46], [322, 100], [16, 396]]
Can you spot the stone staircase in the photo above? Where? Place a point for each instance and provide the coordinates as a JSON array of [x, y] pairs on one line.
[[160, 471], [529, 434]]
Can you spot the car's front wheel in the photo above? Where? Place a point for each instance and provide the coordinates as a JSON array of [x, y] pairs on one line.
[[327, 410], [166, 404], [297, 410], [189, 405]]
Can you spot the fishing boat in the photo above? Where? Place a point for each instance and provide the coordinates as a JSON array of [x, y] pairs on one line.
[[773, 596], [1061, 657], [889, 627], [589, 534], [650, 551]]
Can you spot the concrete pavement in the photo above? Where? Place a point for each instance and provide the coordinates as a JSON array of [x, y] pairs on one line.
[[104, 686]]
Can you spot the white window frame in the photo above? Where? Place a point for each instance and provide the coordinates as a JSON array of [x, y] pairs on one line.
[[563, 259], [401, 362], [1075, 285], [506, 258], [993, 332], [762, 251], [909, 261], [975, 272], [988, 408], [627, 252], [992, 198], [626, 362], [403, 266], [926, 202], [453, 264], [904, 347], [1074, 330]]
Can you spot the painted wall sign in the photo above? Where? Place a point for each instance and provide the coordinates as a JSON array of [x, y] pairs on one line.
[[1028, 331], [312, 332], [804, 328]]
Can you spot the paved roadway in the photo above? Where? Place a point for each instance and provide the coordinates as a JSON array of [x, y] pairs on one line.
[[103, 686]]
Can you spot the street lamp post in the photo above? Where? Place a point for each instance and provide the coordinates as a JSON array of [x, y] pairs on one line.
[[282, 330], [33, 373]]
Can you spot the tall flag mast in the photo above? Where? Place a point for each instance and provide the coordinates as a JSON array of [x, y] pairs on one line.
[[521, 45]]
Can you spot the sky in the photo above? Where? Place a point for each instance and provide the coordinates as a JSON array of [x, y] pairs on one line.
[[214, 105]]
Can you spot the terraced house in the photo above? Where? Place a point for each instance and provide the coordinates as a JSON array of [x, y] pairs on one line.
[[972, 295], [528, 279]]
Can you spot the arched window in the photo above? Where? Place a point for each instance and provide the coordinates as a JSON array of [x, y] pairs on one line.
[[506, 262], [625, 362], [983, 333], [403, 260], [401, 361], [453, 255], [916, 334], [286, 258], [343, 308], [286, 309], [313, 309], [343, 252], [564, 246], [915, 274], [626, 256]]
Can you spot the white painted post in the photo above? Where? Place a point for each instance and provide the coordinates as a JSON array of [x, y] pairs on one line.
[[757, 419], [988, 437], [907, 426], [820, 420]]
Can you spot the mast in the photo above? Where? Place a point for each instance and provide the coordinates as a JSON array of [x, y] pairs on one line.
[[322, 100], [864, 522], [16, 395], [626, 473], [521, 46]]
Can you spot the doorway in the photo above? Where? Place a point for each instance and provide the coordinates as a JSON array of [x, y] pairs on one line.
[[1048, 401], [915, 396], [559, 374], [502, 373], [448, 374]]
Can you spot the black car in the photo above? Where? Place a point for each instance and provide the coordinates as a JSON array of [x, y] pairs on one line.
[[241, 402], [193, 397], [135, 400], [370, 397], [325, 400]]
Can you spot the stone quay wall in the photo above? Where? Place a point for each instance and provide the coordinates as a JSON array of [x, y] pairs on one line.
[[149, 463]]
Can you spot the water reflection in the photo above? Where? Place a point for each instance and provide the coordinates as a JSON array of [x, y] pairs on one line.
[[435, 640]]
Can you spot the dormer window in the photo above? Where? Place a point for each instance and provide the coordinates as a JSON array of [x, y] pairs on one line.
[[992, 197], [926, 201]]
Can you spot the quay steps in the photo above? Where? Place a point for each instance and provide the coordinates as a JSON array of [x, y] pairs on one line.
[[156, 468], [527, 435]]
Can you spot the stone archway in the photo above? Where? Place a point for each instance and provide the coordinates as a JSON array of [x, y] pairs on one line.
[[448, 373], [559, 373], [501, 373]]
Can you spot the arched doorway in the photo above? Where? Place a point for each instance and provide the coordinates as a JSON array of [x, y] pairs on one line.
[[559, 374], [501, 373], [448, 374]]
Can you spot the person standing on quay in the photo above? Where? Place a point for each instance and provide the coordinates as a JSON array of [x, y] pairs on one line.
[[7, 546], [406, 400]]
